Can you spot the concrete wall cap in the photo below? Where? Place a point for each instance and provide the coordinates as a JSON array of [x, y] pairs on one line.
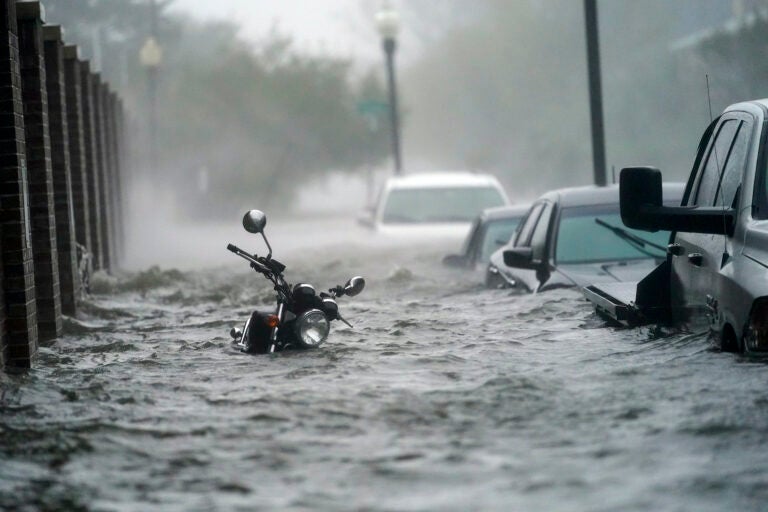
[[53, 33], [71, 51], [30, 10]]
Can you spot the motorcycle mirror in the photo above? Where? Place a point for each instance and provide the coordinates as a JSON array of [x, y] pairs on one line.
[[254, 221], [354, 286]]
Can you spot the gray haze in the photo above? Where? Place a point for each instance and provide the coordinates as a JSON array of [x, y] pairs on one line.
[[487, 85], [507, 91]]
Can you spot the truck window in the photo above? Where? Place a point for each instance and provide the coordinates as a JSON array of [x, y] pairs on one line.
[[524, 235], [734, 168], [539, 237], [709, 178]]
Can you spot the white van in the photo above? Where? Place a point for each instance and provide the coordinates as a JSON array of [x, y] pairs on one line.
[[434, 204]]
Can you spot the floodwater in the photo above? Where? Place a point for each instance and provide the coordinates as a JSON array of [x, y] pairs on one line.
[[444, 396]]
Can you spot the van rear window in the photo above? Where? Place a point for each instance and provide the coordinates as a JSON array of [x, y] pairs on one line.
[[448, 204]]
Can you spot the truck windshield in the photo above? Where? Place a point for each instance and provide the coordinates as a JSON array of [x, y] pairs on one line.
[[449, 204], [582, 240]]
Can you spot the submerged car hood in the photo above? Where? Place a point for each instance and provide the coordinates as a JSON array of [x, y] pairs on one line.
[[583, 274]]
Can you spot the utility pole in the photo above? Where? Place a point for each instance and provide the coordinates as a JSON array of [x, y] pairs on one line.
[[595, 92]]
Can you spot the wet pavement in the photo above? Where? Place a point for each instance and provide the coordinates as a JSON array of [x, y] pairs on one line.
[[444, 396]]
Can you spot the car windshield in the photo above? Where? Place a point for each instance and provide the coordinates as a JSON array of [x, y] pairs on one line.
[[449, 204], [497, 234], [581, 239]]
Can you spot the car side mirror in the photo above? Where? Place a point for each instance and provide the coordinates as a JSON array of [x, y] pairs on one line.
[[454, 260], [642, 207], [520, 257]]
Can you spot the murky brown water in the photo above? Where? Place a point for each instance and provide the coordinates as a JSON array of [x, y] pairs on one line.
[[444, 396]]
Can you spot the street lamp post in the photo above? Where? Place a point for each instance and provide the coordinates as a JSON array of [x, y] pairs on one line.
[[388, 23], [151, 56]]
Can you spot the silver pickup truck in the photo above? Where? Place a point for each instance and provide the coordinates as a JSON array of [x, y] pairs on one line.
[[716, 270]]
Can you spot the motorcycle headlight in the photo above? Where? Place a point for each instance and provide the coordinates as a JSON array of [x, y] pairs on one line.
[[312, 328]]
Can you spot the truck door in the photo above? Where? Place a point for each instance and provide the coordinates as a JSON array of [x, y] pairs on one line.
[[697, 258]]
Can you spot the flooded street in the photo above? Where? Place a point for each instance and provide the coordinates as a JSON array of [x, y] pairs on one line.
[[444, 396]]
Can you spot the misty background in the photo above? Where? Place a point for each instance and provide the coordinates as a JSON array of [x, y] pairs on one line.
[[256, 117]]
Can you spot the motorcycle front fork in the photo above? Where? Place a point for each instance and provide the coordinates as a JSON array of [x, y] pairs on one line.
[[273, 334]]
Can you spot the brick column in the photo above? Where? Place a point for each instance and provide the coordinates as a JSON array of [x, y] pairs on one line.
[[99, 123], [77, 161], [92, 164], [41, 207], [69, 282], [114, 153], [123, 168], [19, 345]]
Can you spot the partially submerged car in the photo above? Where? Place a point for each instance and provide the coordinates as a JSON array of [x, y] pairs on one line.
[[434, 204], [574, 237], [716, 269], [490, 230]]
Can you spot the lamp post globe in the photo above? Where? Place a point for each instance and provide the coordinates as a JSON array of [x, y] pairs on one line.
[[151, 55], [388, 21], [388, 25], [151, 58]]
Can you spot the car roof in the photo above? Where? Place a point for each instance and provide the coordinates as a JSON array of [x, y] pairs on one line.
[[504, 212], [609, 194], [442, 179], [744, 105]]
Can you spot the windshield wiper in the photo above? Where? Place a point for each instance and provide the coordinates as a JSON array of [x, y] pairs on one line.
[[448, 218], [637, 242], [396, 218]]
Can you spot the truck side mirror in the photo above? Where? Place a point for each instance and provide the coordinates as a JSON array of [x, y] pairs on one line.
[[520, 257], [642, 207]]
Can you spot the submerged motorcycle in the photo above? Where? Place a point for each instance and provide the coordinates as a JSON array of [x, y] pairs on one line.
[[302, 317]]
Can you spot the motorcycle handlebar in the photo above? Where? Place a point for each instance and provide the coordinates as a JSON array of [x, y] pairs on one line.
[[255, 263]]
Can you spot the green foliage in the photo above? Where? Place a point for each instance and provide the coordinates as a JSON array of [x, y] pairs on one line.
[[260, 122], [257, 119]]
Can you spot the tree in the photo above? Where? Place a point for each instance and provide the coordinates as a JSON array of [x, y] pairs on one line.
[[257, 121]]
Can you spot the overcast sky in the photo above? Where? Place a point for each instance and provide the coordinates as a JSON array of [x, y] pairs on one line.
[[341, 27]]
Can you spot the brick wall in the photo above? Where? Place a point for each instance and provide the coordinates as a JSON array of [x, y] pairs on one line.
[[78, 169], [41, 197], [19, 345], [114, 153], [102, 157], [91, 163], [62, 182]]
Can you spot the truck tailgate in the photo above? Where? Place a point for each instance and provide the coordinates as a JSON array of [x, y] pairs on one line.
[[615, 301]]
